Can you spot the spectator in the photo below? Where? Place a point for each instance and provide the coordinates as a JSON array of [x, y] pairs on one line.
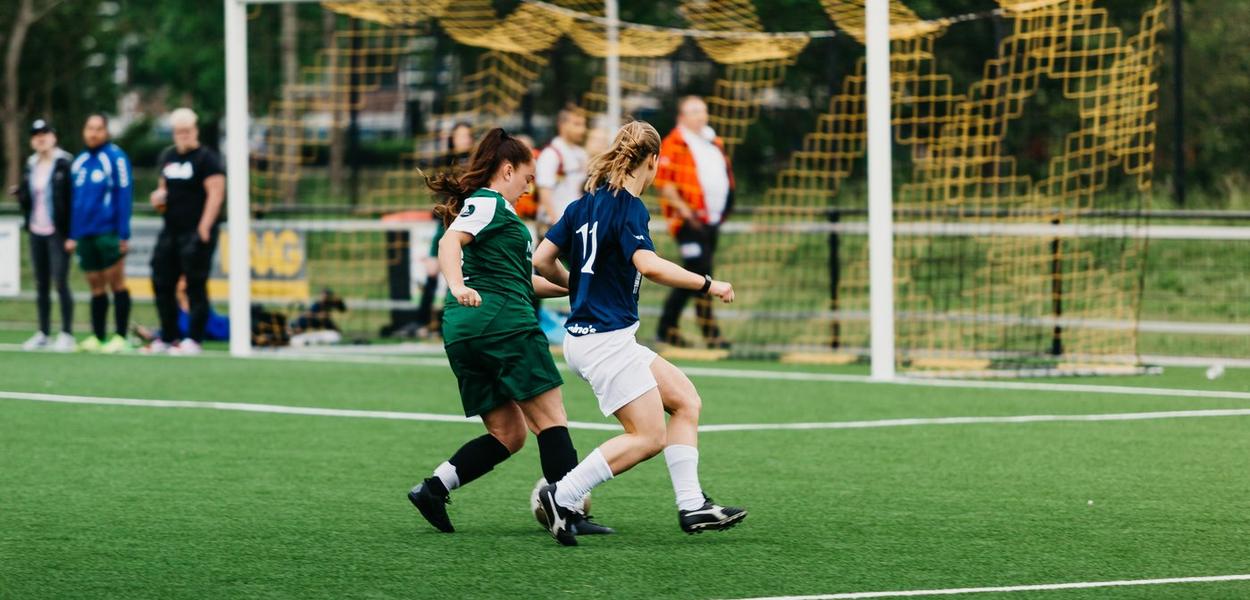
[[429, 321], [696, 195], [45, 195], [190, 192], [560, 170], [218, 327], [459, 145], [100, 231]]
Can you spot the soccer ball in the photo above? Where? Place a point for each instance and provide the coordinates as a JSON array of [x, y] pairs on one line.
[[536, 507]]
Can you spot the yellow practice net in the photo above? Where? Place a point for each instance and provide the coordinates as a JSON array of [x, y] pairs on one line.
[[995, 269]]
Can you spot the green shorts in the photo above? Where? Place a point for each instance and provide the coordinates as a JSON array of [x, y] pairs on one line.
[[498, 369], [98, 252]]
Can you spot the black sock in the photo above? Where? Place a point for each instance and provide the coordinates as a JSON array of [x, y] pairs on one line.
[[556, 453], [121, 308], [99, 315], [477, 457]]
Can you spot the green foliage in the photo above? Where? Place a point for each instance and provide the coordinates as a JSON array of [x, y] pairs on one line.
[[66, 67]]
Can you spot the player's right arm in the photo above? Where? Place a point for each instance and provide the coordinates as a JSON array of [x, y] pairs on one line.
[[672, 275], [450, 251], [157, 197], [547, 263]]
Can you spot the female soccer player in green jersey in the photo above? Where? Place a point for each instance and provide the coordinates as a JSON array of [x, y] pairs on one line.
[[491, 334]]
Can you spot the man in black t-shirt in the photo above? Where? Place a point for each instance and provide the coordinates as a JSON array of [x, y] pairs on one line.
[[192, 188]]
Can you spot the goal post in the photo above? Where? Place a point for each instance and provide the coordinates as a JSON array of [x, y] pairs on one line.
[[880, 191], [238, 182]]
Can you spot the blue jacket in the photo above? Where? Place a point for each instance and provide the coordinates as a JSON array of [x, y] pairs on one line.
[[102, 193]]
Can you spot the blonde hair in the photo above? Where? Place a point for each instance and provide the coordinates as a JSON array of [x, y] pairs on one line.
[[183, 117], [634, 143]]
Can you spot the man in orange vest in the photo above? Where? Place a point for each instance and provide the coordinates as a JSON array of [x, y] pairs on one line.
[[695, 180]]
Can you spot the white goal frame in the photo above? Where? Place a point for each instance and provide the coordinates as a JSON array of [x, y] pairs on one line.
[[880, 184]]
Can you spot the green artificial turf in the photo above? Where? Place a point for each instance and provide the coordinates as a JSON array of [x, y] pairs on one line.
[[111, 501]]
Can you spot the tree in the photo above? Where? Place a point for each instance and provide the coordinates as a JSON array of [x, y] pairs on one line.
[[28, 13]]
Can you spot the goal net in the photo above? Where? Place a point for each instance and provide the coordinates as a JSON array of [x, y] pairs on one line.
[[1019, 241]]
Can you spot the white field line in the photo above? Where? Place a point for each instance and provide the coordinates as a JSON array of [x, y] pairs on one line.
[[1081, 585], [421, 416], [756, 374]]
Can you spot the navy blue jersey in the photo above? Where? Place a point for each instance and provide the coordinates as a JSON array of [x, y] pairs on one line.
[[598, 236]]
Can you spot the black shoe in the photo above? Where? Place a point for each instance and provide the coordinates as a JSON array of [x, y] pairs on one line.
[[710, 517], [583, 525], [674, 339], [719, 343], [432, 506], [559, 519]]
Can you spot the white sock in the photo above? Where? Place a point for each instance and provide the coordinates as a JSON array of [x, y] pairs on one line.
[[683, 468], [592, 471], [447, 473]]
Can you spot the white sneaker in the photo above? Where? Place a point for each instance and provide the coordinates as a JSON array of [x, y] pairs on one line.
[[187, 347], [64, 343], [158, 346], [39, 341]]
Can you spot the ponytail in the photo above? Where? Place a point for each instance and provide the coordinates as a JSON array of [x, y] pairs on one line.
[[452, 186], [634, 143]]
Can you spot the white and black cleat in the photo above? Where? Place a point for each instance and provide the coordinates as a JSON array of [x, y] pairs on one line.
[[710, 517], [582, 523], [559, 519]]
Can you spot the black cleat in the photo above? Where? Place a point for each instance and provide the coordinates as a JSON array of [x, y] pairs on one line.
[[559, 519], [583, 525], [710, 517], [432, 506]]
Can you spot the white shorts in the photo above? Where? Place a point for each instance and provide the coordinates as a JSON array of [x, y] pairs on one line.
[[615, 365]]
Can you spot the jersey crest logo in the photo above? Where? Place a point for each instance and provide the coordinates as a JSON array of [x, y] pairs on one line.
[[97, 176], [468, 210]]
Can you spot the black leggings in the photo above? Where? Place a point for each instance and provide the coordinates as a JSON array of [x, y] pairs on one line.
[[51, 262], [697, 246], [182, 254]]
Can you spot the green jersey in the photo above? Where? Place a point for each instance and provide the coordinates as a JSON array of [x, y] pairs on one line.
[[497, 263]]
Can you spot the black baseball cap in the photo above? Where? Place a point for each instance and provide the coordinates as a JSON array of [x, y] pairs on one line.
[[41, 126]]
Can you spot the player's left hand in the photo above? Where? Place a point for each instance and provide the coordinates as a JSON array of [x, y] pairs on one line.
[[124, 246], [206, 233], [723, 290]]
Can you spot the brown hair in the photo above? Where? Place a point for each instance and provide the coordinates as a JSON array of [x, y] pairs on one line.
[[634, 143], [451, 187], [569, 111]]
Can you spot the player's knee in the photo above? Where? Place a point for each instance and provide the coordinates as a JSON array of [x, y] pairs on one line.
[[651, 443], [512, 436], [691, 404]]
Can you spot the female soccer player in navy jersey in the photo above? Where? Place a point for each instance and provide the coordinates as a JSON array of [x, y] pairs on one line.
[[604, 237]]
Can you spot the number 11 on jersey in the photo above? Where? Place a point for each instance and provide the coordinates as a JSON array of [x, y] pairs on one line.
[[589, 247]]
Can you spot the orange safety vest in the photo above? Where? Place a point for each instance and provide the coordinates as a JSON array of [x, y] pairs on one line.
[[677, 168]]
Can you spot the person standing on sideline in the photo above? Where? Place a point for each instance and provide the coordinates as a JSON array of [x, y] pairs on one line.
[[191, 188], [45, 195], [696, 185], [561, 168], [100, 232]]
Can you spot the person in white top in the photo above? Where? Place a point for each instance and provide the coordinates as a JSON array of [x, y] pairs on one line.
[[560, 170], [696, 193], [45, 196]]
